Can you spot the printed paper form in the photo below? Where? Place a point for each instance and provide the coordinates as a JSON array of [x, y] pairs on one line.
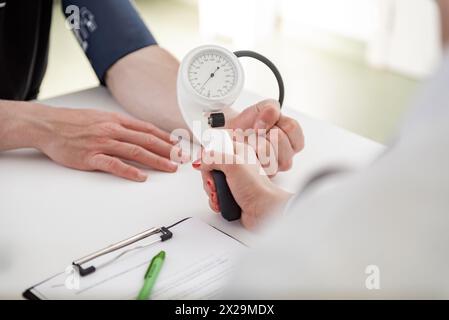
[[198, 264]]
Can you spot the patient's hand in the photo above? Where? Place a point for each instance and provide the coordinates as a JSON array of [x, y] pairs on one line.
[[95, 140], [252, 189], [290, 139]]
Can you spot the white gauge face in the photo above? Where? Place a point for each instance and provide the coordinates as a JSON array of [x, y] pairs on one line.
[[212, 74]]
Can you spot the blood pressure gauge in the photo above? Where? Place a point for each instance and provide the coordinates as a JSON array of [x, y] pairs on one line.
[[210, 79], [213, 75]]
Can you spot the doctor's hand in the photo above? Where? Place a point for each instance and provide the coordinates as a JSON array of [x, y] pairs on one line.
[[89, 140], [267, 115], [252, 189]]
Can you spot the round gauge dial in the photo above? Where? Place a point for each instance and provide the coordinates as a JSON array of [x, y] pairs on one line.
[[212, 75]]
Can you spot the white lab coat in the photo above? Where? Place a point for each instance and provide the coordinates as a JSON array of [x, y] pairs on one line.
[[390, 220]]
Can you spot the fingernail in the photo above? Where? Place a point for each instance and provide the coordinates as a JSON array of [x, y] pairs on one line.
[[142, 176], [260, 124], [171, 166], [211, 185], [196, 164]]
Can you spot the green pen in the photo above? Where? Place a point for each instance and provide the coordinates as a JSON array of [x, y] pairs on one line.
[[150, 276]]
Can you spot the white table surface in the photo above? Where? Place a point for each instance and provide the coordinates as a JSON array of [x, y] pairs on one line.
[[50, 215]]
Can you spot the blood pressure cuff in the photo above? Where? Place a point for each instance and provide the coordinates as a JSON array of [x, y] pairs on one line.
[[107, 30]]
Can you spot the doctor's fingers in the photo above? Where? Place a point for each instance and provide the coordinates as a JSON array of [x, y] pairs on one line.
[[208, 182], [213, 203], [215, 161], [209, 188], [293, 131], [266, 153], [140, 155], [283, 149], [206, 176]]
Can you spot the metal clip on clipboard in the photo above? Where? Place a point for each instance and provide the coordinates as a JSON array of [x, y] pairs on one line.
[[164, 232]]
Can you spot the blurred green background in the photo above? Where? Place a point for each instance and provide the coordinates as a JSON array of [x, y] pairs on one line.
[[327, 79]]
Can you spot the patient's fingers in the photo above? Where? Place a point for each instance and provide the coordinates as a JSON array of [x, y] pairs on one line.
[[138, 125], [116, 167], [140, 155], [150, 142]]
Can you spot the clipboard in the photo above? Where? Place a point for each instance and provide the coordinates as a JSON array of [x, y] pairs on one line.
[[194, 268]]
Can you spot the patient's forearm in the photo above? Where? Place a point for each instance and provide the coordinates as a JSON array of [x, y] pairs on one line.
[[144, 83], [21, 125]]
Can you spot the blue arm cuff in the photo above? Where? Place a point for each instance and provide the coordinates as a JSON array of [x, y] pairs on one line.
[[106, 30]]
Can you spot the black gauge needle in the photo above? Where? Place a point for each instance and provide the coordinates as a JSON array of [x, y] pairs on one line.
[[210, 77]]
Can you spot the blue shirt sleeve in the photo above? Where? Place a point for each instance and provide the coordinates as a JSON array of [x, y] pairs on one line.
[[107, 30]]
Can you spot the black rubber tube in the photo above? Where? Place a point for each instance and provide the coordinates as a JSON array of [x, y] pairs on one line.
[[269, 64]]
